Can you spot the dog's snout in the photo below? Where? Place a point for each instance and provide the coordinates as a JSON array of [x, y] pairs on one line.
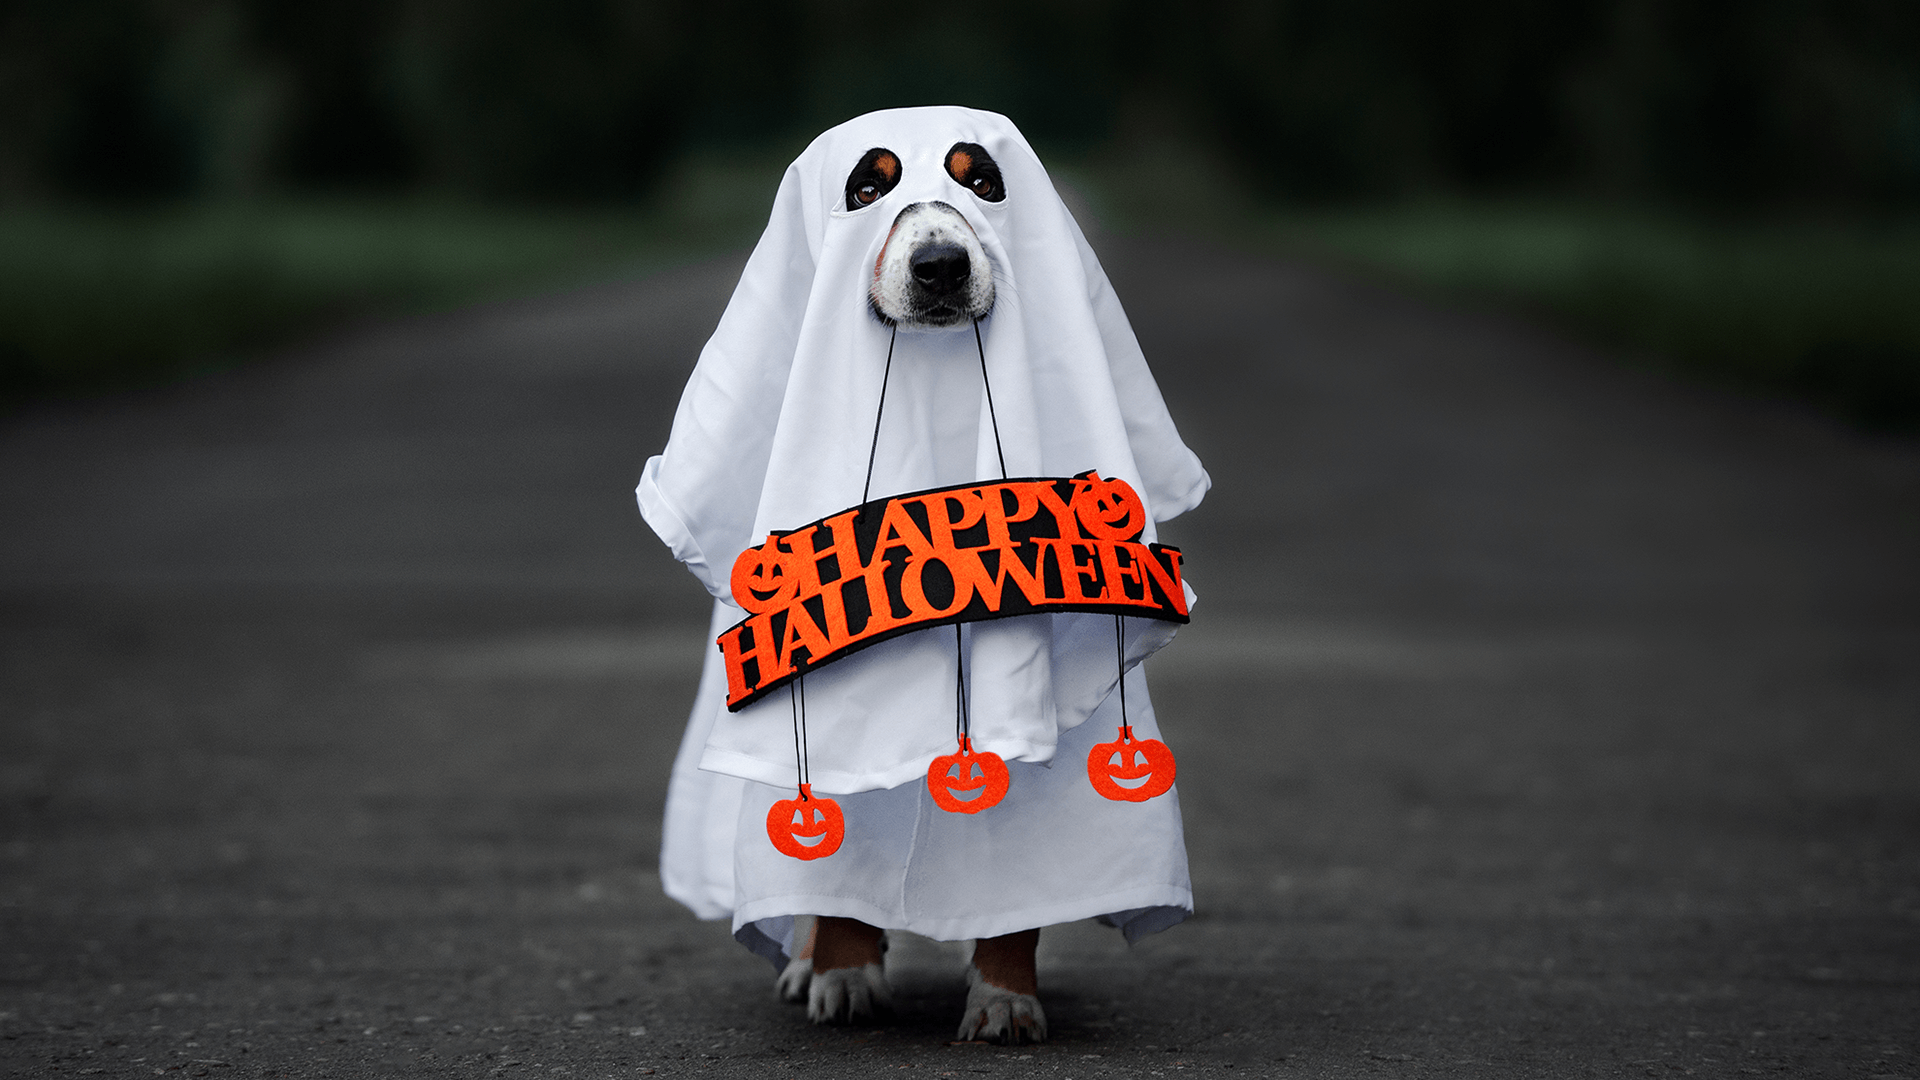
[[932, 271], [941, 269]]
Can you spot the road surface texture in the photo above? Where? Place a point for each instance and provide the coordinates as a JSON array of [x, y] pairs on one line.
[[1540, 717]]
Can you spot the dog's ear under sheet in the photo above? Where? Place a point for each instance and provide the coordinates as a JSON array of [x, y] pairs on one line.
[[776, 426]]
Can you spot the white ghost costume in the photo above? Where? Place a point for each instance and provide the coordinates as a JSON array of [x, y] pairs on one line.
[[774, 431]]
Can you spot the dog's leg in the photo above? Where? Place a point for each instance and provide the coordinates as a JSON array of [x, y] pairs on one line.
[[848, 983], [793, 981], [1003, 1005]]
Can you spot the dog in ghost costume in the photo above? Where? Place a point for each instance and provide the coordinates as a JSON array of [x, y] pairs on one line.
[[921, 311]]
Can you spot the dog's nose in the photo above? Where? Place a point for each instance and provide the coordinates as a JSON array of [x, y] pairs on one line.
[[941, 268]]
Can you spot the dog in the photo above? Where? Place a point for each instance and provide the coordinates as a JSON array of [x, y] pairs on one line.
[[891, 237], [932, 274]]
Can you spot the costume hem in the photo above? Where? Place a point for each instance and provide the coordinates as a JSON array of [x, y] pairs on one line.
[[702, 902], [770, 942], [762, 925]]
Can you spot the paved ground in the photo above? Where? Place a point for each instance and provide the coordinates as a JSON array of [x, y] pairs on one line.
[[1540, 718]]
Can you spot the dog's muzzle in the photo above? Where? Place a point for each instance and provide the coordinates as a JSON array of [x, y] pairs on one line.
[[932, 272]]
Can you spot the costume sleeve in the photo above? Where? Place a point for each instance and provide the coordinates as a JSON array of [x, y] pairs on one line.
[[702, 493]]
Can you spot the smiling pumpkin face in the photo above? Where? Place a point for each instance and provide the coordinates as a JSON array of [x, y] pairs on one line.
[[765, 578], [1108, 509], [966, 782], [806, 827], [1129, 769]]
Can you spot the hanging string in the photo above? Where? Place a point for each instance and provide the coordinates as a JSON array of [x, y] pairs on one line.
[[1124, 757], [991, 415], [810, 826], [798, 702], [867, 487], [961, 728]]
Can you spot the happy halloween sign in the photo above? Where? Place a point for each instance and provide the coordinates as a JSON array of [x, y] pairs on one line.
[[949, 555]]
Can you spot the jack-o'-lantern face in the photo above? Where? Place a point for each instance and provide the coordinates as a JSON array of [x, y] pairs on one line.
[[1108, 509], [765, 578], [965, 782], [807, 827], [1129, 769]]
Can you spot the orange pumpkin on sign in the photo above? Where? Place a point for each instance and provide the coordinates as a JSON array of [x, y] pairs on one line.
[[1129, 769], [1108, 509], [765, 578], [806, 827], [952, 777]]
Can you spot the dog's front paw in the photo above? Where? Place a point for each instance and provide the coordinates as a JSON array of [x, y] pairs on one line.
[[793, 980], [1001, 1016], [844, 995]]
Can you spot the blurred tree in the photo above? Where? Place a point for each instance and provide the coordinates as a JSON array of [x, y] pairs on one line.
[[544, 97], [81, 109], [341, 122], [1712, 100], [1717, 99]]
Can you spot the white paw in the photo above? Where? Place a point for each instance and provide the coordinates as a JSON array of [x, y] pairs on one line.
[[843, 995], [792, 983], [1000, 1016]]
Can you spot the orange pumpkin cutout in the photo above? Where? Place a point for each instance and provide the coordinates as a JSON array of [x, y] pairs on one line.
[[1129, 769], [765, 578], [1108, 509], [953, 775], [806, 827]]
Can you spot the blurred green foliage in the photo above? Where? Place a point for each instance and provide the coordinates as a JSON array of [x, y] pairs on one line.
[[1821, 310], [1811, 304], [99, 298], [1707, 100], [181, 179]]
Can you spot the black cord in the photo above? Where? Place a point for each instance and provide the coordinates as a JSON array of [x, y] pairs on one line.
[[991, 415], [797, 701], [799, 766], [1120, 662], [867, 488], [961, 728]]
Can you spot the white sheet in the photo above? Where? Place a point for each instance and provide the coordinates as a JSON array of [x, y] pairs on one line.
[[774, 430]]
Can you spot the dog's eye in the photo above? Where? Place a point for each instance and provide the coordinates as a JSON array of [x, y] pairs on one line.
[[877, 173], [974, 169]]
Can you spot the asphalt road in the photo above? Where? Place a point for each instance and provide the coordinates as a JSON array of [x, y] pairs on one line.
[[1540, 717]]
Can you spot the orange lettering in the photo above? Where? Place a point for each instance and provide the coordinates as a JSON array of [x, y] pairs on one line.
[[1072, 578], [802, 633], [1063, 516], [1099, 570], [994, 507], [940, 521], [914, 591], [1118, 575], [1167, 584], [764, 653], [969, 566], [897, 530]]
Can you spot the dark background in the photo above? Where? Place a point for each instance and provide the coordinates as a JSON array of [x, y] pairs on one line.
[[1724, 190], [1544, 715], [1711, 104]]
